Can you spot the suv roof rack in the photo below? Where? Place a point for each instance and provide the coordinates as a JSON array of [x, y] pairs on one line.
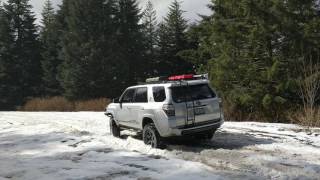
[[176, 78]]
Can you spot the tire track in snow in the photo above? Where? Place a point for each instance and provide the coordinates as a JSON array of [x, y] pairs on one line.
[[239, 150]]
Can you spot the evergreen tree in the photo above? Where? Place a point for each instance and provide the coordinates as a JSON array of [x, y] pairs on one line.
[[251, 49], [61, 17], [244, 55], [50, 44], [131, 41], [7, 99], [172, 40], [149, 20], [88, 45], [24, 51], [150, 27], [62, 29], [192, 55]]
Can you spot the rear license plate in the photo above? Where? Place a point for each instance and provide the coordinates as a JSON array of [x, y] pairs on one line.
[[199, 111]]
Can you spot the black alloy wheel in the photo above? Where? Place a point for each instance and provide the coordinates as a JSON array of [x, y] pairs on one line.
[[151, 136]]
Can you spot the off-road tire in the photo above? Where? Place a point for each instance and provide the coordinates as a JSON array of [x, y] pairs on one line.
[[114, 129], [151, 136]]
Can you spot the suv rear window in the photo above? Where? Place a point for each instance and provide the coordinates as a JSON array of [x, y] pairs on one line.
[[192, 93], [159, 94]]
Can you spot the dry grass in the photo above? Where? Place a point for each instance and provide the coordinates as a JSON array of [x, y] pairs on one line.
[[300, 117], [92, 105], [295, 115], [60, 104], [48, 104], [233, 113]]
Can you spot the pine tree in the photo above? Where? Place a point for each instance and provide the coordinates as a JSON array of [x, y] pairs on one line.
[[165, 56], [61, 16], [172, 40], [245, 63], [25, 61], [149, 21], [150, 27], [251, 49], [192, 55], [88, 47], [7, 99], [49, 37], [47, 15], [131, 41]]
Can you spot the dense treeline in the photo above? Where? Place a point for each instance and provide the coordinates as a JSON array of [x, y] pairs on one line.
[[257, 53], [84, 53]]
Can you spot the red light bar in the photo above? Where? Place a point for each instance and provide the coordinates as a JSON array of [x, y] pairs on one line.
[[181, 77]]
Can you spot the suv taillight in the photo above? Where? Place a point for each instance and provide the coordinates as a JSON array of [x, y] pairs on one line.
[[220, 103], [221, 107], [169, 110]]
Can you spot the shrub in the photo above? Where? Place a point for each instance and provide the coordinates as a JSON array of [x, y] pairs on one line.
[[92, 105], [300, 117], [61, 104], [48, 104]]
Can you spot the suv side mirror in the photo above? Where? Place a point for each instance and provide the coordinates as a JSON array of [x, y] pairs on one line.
[[116, 100]]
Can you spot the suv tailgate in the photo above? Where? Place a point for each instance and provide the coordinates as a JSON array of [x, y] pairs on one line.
[[195, 105]]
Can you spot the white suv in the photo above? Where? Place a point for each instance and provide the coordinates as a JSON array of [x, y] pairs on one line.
[[165, 107]]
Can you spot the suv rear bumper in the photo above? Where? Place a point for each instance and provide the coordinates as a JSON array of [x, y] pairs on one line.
[[196, 129]]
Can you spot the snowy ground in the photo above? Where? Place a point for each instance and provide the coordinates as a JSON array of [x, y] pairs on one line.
[[79, 146]]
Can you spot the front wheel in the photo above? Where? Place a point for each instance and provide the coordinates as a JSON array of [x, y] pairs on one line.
[[151, 136], [114, 129]]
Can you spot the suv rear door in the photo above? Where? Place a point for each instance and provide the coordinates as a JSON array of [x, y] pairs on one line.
[[195, 104], [206, 104], [136, 108]]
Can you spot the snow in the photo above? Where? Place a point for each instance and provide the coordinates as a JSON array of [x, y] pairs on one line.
[[53, 145]]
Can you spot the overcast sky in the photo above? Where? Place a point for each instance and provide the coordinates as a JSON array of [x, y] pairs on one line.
[[192, 7]]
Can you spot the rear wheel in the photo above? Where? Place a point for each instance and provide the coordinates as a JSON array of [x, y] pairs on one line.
[[151, 136], [114, 129]]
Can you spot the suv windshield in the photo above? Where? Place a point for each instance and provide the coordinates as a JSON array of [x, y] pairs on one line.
[[192, 93]]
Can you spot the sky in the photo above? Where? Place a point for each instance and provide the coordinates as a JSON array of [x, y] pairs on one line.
[[192, 7]]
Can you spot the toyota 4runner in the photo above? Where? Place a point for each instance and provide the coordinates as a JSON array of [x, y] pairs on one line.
[[168, 106]]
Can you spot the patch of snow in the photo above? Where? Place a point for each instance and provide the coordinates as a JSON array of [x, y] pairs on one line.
[[78, 145]]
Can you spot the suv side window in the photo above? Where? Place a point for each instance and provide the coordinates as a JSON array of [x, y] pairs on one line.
[[128, 96], [159, 94], [141, 95]]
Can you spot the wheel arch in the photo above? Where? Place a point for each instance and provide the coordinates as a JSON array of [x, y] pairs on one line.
[[109, 114], [147, 120], [112, 117]]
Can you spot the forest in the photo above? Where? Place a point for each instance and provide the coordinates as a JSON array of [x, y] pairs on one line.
[[262, 56]]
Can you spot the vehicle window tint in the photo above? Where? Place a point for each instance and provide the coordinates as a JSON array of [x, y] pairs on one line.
[[179, 94], [128, 96], [192, 93], [159, 94], [141, 95], [200, 92]]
